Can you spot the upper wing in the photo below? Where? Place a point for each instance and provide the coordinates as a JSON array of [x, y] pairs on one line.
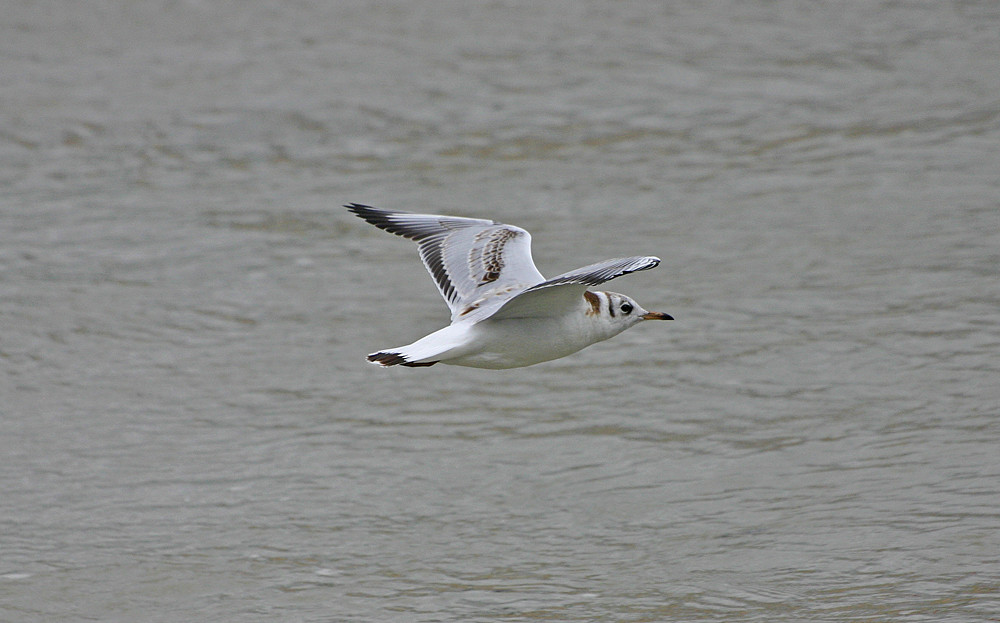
[[556, 295], [473, 261]]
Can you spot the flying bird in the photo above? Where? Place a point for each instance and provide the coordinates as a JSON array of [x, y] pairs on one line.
[[504, 313]]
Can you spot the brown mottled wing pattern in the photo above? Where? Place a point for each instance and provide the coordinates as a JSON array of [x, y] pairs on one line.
[[476, 263]]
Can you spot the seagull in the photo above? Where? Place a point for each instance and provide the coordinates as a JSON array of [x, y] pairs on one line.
[[504, 313]]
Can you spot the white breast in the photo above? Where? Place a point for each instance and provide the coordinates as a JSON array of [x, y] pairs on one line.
[[515, 342]]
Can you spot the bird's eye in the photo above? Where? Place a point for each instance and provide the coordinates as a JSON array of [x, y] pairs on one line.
[[626, 308]]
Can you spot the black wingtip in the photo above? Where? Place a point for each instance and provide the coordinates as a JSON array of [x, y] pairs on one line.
[[383, 219], [361, 209], [643, 263], [411, 226], [374, 216]]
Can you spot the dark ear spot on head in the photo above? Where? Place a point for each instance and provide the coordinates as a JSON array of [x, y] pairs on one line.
[[595, 302]]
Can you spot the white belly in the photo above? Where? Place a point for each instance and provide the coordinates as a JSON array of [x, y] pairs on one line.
[[516, 342]]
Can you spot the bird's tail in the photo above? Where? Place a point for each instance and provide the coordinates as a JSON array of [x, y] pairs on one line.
[[442, 344], [386, 358]]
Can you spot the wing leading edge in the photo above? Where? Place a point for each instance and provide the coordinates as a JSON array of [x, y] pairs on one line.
[[553, 295]]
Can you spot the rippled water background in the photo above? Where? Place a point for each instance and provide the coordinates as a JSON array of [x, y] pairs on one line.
[[189, 430]]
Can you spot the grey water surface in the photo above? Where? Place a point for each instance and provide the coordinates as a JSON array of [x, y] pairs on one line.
[[189, 430]]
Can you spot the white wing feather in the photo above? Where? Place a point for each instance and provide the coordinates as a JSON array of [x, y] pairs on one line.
[[476, 263]]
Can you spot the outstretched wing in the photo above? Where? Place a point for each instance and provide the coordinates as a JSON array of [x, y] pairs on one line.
[[554, 296], [474, 262]]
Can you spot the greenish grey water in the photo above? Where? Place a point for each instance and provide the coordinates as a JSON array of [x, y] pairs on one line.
[[189, 429]]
